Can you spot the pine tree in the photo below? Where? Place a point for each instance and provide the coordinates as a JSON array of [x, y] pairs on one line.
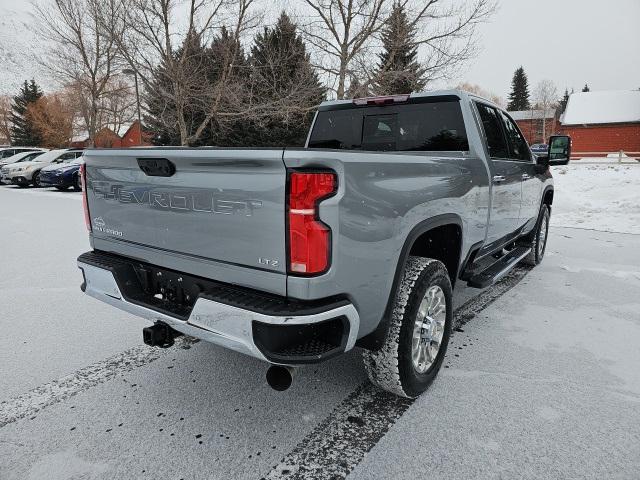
[[283, 79], [160, 119], [398, 69], [562, 103], [586, 88], [519, 96], [23, 130], [225, 52]]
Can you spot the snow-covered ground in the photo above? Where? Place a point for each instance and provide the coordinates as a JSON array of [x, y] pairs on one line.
[[543, 383], [598, 196]]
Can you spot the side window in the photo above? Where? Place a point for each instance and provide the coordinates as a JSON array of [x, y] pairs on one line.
[[518, 148], [494, 135]]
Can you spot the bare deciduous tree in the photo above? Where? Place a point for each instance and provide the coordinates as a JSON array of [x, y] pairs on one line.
[[5, 120], [118, 105], [446, 32], [83, 55], [546, 97], [340, 30], [478, 90], [148, 34], [345, 36]]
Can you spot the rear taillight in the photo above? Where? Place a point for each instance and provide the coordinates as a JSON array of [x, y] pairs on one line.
[[85, 203], [309, 238]]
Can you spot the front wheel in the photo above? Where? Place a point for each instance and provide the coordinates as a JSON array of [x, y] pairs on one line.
[[77, 186], [419, 330], [539, 240]]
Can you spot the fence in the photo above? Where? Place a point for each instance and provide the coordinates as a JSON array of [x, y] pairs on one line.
[[621, 155]]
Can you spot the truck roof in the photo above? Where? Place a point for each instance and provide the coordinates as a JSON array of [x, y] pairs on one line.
[[331, 104]]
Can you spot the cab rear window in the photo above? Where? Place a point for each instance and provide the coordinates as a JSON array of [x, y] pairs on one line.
[[431, 126]]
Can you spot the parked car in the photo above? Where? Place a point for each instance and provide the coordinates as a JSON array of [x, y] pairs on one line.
[[294, 256], [25, 173], [540, 148], [21, 157], [62, 176], [7, 152]]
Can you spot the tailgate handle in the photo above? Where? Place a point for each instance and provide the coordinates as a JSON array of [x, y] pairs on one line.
[[156, 167]]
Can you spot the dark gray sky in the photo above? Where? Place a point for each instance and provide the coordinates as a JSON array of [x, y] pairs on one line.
[[571, 42]]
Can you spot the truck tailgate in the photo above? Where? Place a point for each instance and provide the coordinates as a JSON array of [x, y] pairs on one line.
[[220, 210]]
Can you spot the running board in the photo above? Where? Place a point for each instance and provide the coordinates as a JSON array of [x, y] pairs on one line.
[[498, 269]]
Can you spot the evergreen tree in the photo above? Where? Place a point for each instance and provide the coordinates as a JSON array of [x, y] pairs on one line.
[[519, 96], [23, 130], [160, 112], [562, 103], [160, 118], [398, 69], [586, 88], [226, 52], [283, 80]]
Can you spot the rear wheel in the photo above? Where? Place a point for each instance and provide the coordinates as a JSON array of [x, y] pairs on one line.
[[77, 186], [419, 331], [36, 179], [539, 238]]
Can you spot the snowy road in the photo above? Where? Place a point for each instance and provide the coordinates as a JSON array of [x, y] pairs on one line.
[[542, 383]]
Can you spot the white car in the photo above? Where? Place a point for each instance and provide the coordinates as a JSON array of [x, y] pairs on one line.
[[21, 157], [6, 152], [25, 173]]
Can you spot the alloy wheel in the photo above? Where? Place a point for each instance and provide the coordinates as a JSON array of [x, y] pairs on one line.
[[428, 329]]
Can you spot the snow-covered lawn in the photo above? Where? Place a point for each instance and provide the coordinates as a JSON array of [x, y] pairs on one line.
[[601, 197]]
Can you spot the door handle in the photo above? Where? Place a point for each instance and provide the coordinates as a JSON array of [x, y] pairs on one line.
[[525, 176], [499, 178]]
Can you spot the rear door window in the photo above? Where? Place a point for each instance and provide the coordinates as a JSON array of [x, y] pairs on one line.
[[428, 126], [493, 132]]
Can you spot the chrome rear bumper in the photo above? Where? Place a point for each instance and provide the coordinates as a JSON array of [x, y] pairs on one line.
[[212, 321]]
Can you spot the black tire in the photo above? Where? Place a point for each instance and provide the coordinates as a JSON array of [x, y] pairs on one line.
[[62, 189], [539, 238], [77, 186], [392, 367], [36, 179]]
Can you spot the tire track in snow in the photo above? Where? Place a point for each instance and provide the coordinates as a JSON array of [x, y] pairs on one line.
[[31, 402], [340, 442]]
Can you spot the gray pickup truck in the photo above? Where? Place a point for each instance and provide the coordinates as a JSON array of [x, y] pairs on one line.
[[296, 255]]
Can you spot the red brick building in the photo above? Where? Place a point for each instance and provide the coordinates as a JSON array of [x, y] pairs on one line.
[[532, 123], [603, 122], [133, 136]]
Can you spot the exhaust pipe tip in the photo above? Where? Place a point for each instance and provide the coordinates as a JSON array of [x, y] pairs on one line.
[[280, 377]]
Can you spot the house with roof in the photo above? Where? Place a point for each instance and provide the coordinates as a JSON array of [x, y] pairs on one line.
[[536, 125], [131, 136], [603, 122]]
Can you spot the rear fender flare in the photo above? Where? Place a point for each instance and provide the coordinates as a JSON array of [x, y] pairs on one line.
[[375, 339]]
